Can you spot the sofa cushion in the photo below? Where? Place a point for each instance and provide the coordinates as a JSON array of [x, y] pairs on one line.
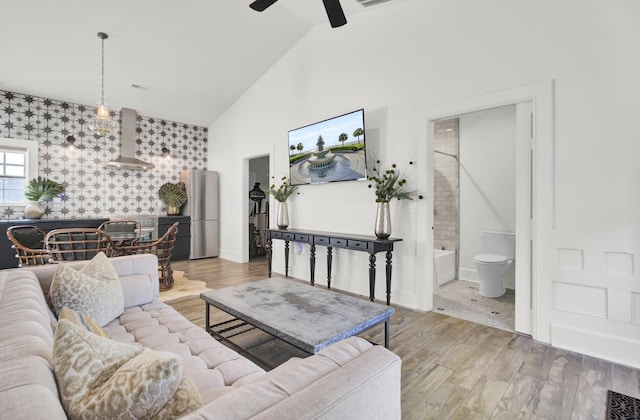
[[95, 290], [83, 321], [138, 289], [98, 377], [209, 364]]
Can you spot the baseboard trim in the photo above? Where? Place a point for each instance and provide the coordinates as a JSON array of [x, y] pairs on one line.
[[603, 346], [467, 274], [231, 256]]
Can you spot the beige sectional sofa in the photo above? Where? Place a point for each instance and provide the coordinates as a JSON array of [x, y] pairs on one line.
[[349, 380]]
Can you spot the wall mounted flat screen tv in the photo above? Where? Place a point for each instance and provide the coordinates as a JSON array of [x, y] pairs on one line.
[[328, 151]]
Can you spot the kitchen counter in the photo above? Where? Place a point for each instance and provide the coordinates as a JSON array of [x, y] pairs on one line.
[[182, 245]]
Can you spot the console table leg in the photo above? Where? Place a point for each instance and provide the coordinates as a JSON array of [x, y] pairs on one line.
[[206, 320], [372, 277], [269, 256], [286, 258], [329, 257], [388, 277], [312, 263]]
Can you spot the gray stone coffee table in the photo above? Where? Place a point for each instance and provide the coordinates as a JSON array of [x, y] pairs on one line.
[[305, 316]]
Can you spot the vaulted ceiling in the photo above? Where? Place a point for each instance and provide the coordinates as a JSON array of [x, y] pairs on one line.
[[190, 60]]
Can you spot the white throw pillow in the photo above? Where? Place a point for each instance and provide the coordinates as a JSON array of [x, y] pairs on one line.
[[95, 290]]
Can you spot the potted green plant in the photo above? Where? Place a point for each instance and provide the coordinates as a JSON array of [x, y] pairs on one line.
[[388, 184], [174, 196], [38, 191]]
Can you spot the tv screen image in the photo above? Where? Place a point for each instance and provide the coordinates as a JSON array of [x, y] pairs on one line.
[[328, 151]]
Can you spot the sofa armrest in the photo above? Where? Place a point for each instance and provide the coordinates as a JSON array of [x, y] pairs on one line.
[[350, 379], [129, 268]]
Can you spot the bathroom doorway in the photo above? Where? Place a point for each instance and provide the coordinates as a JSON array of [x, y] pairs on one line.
[[482, 164]]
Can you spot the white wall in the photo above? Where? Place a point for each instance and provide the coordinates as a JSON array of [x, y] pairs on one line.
[[487, 182], [397, 61]]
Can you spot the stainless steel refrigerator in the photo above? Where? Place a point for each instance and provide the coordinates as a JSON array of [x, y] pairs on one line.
[[203, 207]]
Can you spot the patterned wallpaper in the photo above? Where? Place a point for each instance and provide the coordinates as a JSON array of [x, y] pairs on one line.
[[92, 190]]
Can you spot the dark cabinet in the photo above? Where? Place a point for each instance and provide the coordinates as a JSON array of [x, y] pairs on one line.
[[183, 239], [7, 254]]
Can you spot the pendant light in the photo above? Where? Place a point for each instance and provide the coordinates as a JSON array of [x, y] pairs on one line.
[[102, 124]]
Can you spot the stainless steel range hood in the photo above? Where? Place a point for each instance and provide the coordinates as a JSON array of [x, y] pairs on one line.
[[128, 146]]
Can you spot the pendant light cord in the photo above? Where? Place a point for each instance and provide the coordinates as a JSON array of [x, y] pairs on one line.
[[102, 70], [102, 36]]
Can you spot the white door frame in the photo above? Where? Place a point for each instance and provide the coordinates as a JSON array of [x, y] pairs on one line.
[[245, 201], [525, 161], [541, 97]]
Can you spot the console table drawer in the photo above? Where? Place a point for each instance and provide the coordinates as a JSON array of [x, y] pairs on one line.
[[288, 236], [276, 235], [358, 244], [338, 242], [302, 238], [321, 240]]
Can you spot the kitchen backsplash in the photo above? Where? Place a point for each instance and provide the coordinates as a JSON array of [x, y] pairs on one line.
[[92, 190]]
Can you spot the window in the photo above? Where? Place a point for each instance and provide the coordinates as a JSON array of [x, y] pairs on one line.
[[18, 164]]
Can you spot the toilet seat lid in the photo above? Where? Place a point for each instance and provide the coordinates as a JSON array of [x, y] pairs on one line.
[[491, 258]]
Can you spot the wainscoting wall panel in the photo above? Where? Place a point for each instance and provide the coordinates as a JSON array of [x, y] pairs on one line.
[[92, 190], [619, 263], [635, 308], [581, 299], [570, 259], [596, 294]]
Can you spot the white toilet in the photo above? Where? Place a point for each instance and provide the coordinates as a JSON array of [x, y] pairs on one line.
[[499, 249]]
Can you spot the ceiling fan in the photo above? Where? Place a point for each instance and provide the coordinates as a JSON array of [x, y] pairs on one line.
[[333, 8]]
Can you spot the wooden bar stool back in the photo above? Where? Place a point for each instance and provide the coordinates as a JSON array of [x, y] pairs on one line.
[[28, 242], [78, 244]]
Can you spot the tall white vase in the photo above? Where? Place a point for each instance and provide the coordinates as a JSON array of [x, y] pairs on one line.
[[283, 215], [383, 221]]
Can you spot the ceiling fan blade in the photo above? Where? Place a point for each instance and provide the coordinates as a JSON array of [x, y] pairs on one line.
[[335, 13], [261, 5]]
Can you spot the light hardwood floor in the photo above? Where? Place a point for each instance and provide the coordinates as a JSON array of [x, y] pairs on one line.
[[455, 369]]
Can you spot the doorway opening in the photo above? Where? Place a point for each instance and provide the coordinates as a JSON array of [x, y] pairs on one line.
[[474, 217], [483, 200], [258, 205], [534, 198]]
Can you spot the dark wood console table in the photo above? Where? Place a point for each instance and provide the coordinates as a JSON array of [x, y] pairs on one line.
[[370, 244]]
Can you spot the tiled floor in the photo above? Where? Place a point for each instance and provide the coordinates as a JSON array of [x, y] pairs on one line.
[[460, 299]]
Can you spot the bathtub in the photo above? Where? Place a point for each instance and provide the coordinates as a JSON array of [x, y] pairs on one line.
[[445, 265]]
